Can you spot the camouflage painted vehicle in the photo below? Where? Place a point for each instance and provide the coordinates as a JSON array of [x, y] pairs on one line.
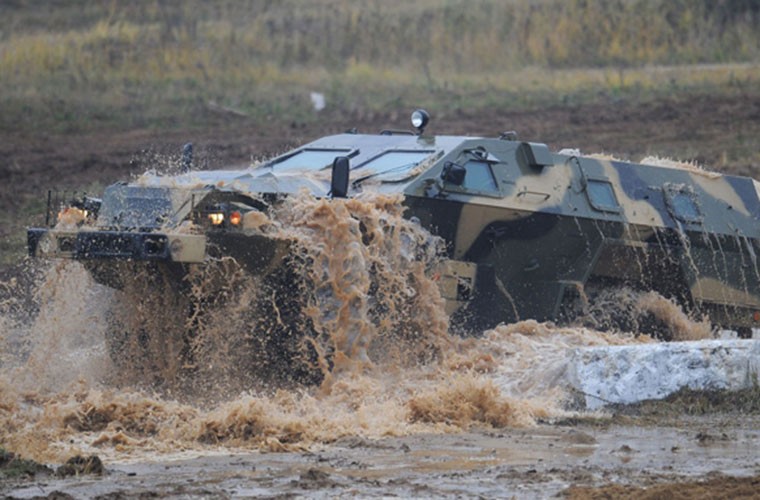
[[529, 233]]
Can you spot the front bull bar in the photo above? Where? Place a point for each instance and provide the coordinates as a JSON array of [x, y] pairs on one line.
[[118, 245]]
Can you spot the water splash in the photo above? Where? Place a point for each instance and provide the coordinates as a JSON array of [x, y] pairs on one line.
[[166, 363]]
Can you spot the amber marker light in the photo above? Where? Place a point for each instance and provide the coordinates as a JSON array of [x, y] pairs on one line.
[[756, 316], [235, 218]]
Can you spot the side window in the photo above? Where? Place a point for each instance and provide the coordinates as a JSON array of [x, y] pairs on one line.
[[479, 177], [682, 204], [309, 159], [392, 166], [601, 195]]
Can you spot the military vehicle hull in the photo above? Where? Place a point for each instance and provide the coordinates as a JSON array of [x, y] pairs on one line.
[[527, 233]]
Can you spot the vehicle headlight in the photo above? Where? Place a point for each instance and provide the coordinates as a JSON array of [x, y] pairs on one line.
[[216, 218], [420, 119]]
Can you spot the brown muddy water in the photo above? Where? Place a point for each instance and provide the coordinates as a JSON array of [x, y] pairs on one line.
[[536, 462], [400, 407]]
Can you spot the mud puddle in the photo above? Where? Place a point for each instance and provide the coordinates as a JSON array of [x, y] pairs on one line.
[[403, 407], [525, 463]]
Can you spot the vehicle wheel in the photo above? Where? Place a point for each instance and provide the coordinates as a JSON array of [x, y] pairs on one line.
[[649, 324], [146, 335], [744, 332], [286, 347], [619, 308]]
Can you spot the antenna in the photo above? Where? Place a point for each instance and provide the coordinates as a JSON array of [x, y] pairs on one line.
[[187, 157]]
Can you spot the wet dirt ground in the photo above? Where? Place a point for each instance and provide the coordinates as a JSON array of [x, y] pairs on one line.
[[713, 456], [706, 457], [719, 131]]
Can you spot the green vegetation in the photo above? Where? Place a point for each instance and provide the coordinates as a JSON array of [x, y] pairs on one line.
[[674, 408], [744, 401], [13, 467], [79, 65], [692, 403]]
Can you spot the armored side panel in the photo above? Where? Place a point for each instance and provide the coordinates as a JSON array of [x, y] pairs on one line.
[[541, 233]]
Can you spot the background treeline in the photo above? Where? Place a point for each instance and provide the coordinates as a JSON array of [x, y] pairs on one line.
[[254, 56]]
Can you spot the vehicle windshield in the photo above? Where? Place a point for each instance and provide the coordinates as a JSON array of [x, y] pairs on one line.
[[135, 207], [393, 165], [309, 159]]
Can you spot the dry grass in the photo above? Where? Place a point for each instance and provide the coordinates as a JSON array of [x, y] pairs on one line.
[[160, 63]]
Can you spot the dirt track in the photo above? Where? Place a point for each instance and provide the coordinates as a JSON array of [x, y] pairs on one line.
[[721, 132]]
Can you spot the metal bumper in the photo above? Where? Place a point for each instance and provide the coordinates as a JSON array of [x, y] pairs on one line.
[[117, 245]]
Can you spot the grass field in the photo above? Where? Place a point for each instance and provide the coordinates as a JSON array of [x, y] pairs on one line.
[[82, 65]]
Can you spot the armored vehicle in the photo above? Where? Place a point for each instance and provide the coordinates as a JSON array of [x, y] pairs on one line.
[[528, 233]]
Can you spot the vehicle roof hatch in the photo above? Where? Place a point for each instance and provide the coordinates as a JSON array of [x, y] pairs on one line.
[[534, 154]]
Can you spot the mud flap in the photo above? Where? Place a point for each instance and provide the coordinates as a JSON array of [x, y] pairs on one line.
[[456, 281], [487, 302]]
